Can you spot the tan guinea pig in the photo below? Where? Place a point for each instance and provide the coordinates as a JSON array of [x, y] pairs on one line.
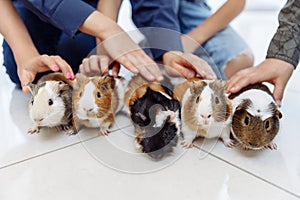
[[255, 121], [205, 110], [96, 100]]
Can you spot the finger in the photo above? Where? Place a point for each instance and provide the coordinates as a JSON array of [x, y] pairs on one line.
[[146, 73], [104, 64], [49, 62], [64, 66], [185, 72], [93, 64], [115, 69], [25, 79], [127, 64], [201, 67], [278, 92], [152, 67], [85, 69]]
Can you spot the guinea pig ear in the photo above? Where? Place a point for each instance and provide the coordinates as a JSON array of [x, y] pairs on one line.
[[107, 83], [80, 78], [197, 86], [32, 88], [63, 86], [278, 114]]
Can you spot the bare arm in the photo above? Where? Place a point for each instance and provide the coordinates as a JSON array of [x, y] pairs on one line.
[[110, 8], [219, 20], [28, 59]]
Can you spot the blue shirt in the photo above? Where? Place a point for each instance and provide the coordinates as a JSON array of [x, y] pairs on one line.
[[158, 13], [67, 15]]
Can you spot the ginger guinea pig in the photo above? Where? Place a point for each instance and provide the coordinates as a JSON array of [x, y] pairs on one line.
[[155, 114], [205, 110], [255, 121], [96, 100], [51, 106]]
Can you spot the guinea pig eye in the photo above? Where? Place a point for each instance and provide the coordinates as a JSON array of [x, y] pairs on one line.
[[197, 99], [217, 101], [80, 94], [32, 101], [246, 120], [50, 102], [98, 94], [267, 125]]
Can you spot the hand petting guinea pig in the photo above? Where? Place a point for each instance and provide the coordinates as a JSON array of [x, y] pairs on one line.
[[96, 100], [205, 110], [51, 106], [255, 121], [155, 114]]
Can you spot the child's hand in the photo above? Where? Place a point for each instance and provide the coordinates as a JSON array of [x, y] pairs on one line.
[[187, 65], [124, 51], [99, 64], [274, 71], [28, 68]]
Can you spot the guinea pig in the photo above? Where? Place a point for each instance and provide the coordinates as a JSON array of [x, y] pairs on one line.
[[255, 121], [96, 100], [156, 116], [205, 110], [51, 106]]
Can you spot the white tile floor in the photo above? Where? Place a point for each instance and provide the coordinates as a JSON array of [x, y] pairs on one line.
[[52, 165]]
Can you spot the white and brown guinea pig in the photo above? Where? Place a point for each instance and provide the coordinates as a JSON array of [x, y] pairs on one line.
[[255, 121], [96, 101], [205, 110], [51, 106], [155, 114]]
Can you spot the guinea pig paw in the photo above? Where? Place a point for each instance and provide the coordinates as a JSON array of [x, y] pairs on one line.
[[229, 143], [246, 148], [271, 146], [186, 144], [33, 131], [104, 131]]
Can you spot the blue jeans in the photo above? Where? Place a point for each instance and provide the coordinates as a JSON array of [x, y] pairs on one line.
[[49, 40], [223, 46]]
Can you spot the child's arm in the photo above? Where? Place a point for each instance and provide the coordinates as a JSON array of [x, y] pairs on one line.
[[110, 8], [28, 59], [219, 20]]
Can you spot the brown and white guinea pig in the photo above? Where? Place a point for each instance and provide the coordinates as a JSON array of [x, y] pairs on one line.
[[155, 114], [96, 101], [51, 106], [205, 110], [255, 121]]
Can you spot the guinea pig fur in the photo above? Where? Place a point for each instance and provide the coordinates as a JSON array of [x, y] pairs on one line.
[[96, 100], [156, 117], [51, 106], [205, 110], [255, 121]]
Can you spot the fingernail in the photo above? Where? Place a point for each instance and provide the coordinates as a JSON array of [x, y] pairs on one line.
[[56, 68], [151, 77], [160, 78], [135, 70], [69, 75], [278, 103]]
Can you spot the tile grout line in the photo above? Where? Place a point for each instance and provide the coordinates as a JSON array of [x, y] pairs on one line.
[[249, 173], [55, 150]]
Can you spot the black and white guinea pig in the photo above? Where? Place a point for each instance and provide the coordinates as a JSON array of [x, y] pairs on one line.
[[255, 121], [205, 110], [51, 106], [156, 116]]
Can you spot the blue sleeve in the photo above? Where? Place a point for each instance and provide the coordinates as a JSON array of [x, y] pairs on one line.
[[67, 15], [158, 13]]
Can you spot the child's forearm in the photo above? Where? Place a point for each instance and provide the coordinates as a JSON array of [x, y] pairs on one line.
[[15, 32], [110, 8], [219, 20]]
